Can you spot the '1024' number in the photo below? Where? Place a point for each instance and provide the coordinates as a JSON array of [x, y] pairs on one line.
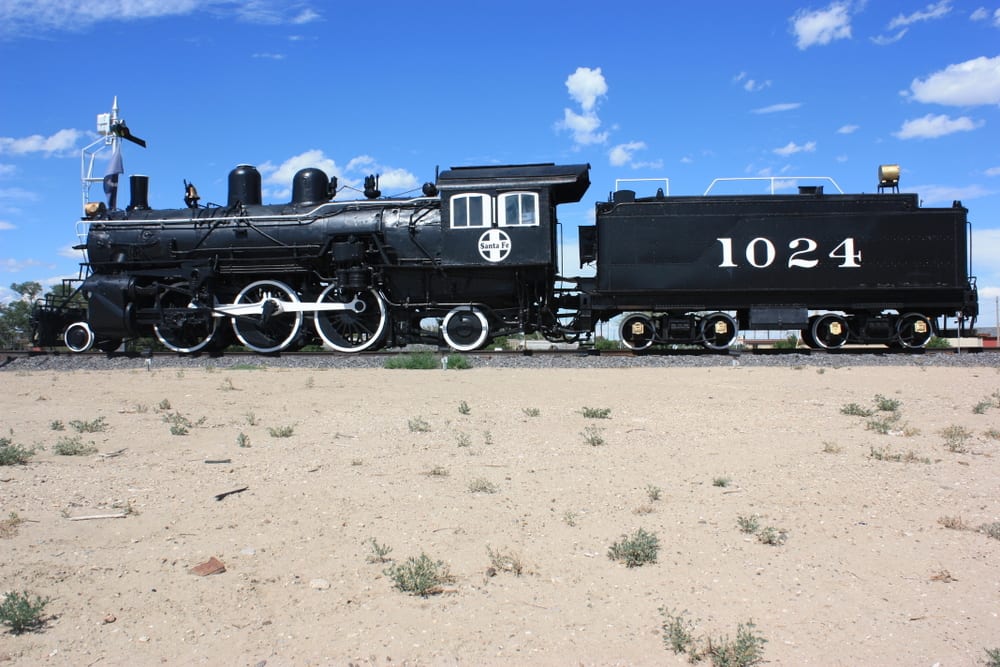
[[760, 253]]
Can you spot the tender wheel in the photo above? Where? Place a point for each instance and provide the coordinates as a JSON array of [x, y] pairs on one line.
[[271, 331], [718, 331], [637, 332], [465, 328], [829, 331], [914, 330], [350, 330], [185, 331], [807, 336], [78, 337]]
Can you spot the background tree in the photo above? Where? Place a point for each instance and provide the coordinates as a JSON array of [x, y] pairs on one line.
[[15, 317]]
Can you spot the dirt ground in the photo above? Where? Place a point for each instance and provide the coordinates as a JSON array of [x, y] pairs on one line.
[[868, 574]]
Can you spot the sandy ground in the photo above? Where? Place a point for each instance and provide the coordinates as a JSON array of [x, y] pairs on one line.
[[868, 574]]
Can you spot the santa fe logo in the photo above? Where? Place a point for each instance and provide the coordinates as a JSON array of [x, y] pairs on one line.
[[494, 245]]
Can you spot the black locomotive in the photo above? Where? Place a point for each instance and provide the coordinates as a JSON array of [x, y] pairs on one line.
[[476, 256]]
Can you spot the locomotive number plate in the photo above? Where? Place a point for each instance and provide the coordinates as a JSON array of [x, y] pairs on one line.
[[638, 328], [835, 328], [920, 327]]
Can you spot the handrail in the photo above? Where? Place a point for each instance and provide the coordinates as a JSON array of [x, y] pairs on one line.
[[772, 179]]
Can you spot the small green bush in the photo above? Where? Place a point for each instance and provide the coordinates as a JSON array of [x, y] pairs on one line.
[[427, 361], [746, 650], [463, 408], [281, 431], [748, 524], [11, 454], [592, 436], [596, 413], [992, 657], [22, 613], [635, 550], [418, 425], [722, 482], [855, 410], [886, 404], [93, 426], [482, 485], [380, 552], [73, 447], [956, 438], [419, 576]]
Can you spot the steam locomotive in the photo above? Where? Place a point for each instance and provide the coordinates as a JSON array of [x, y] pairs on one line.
[[475, 256]]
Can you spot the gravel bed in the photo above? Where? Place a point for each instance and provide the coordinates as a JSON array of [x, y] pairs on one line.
[[488, 360]]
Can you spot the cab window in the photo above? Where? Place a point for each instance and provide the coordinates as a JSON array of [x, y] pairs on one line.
[[518, 208], [471, 210]]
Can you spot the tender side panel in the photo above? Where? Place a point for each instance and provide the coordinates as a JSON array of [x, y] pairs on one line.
[[733, 255]]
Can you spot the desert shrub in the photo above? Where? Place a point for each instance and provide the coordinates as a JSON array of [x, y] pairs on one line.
[[635, 550], [418, 425], [281, 431], [855, 410], [482, 485], [991, 530], [419, 576], [73, 447], [886, 404], [379, 552], [12, 454], [505, 561], [22, 613], [93, 426], [748, 524], [746, 650], [956, 438], [596, 413], [592, 436]]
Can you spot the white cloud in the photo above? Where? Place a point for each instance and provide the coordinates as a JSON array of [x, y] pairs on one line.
[[885, 40], [972, 82], [848, 129], [11, 265], [584, 127], [622, 153], [586, 86], [822, 26], [930, 12], [61, 143], [7, 170], [69, 252], [38, 16], [6, 226], [931, 127], [751, 85], [946, 194], [777, 108], [993, 171], [791, 148], [269, 56]]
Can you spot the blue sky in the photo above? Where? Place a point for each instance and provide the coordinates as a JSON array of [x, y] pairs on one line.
[[689, 91]]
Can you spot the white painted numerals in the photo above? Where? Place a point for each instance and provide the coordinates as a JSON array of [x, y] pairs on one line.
[[761, 253]]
